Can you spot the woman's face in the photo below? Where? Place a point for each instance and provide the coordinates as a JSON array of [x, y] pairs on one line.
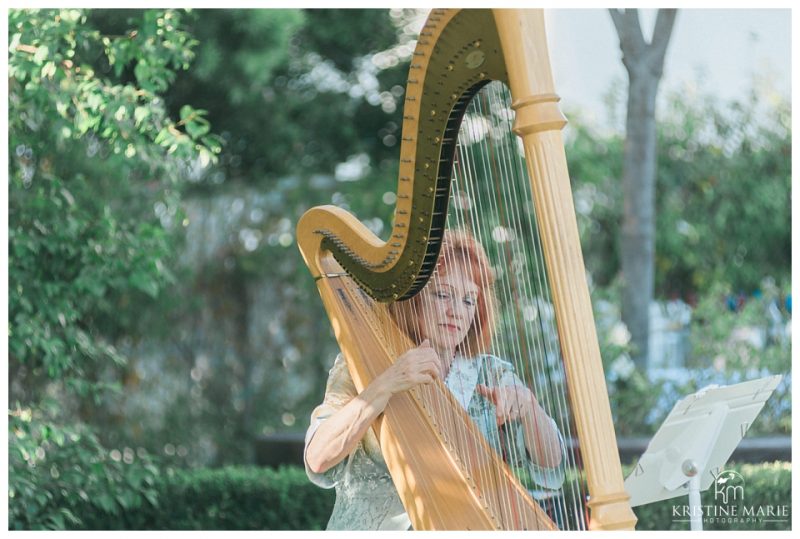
[[448, 307]]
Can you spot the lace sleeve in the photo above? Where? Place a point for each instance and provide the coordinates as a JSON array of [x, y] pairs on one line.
[[550, 478], [338, 392]]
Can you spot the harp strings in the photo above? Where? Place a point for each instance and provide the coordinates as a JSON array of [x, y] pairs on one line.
[[511, 343], [465, 193], [491, 198], [466, 221], [494, 205], [549, 373], [507, 234], [571, 507]]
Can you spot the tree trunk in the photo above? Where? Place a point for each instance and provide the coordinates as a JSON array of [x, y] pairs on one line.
[[644, 63], [637, 245]]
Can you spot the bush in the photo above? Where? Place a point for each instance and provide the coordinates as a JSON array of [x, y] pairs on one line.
[[60, 474], [93, 151], [728, 346], [230, 498], [251, 498]]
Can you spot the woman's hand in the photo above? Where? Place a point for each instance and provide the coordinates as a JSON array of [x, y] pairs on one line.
[[510, 402], [518, 402], [338, 435], [420, 365]]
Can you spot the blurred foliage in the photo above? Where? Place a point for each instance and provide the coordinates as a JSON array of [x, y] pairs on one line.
[[746, 339], [632, 395], [92, 149], [285, 87], [84, 240], [228, 498], [727, 345], [248, 498], [722, 194], [308, 103], [61, 473], [724, 204], [723, 229], [748, 334]]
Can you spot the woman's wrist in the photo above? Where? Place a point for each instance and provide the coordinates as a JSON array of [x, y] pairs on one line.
[[531, 409], [543, 440], [378, 393]]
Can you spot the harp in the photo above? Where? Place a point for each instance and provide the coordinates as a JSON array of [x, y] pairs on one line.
[[473, 74]]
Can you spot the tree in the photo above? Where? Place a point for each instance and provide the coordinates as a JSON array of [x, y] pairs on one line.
[[644, 63], [722, 194], [92, 152], [294, 93]]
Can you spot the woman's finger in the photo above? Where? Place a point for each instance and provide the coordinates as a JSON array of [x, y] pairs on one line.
[[486, 392], [501, 415], [433, 370]]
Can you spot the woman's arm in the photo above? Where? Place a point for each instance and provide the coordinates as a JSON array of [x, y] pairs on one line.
[[340, 433], [517, 402], [541, 436]]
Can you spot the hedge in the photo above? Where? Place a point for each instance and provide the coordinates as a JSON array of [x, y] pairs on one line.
[[251, 498], [230, 498], [767, 487]]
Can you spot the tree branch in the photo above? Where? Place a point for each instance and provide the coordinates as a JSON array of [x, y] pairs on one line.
[[631, 39], [665, 21], [30, 49]]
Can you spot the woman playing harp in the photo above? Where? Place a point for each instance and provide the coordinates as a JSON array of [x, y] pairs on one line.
[[450, 322], [481, 151]]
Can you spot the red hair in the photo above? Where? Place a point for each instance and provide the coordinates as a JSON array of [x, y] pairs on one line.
[[459, 247]]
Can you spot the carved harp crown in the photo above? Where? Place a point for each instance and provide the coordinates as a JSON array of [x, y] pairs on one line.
[[447, 474]]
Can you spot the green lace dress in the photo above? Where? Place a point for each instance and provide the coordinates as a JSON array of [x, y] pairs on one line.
[[366, 498]]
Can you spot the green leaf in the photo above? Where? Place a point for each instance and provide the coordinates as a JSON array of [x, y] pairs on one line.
[[206, 157], [14, 41], [70, 516], [140, 114], [106, 503], [56, 522], [186, 111], [143, 73], [48, 70], [152, 497], [41, 54], [145, 283], [198, 128], [164, 137], [58, 438]]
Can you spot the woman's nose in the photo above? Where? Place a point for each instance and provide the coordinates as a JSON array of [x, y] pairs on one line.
[[454, 310]]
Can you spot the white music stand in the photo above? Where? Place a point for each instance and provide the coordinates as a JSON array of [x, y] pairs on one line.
[[695, 441]]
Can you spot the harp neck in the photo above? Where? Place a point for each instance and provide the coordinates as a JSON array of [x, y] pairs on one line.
[[530, 77]]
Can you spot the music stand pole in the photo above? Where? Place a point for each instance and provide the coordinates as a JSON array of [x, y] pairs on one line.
[[690, 470]]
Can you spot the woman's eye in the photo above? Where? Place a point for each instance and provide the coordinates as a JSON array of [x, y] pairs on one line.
[[469, 301], [442, 295]]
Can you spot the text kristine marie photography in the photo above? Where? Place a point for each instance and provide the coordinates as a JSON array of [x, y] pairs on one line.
[[730, 506]]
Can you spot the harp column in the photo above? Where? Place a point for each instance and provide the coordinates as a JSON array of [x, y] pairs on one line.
[[539, 122]]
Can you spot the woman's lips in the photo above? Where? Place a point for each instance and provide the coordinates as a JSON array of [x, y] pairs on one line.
[[450, 327]]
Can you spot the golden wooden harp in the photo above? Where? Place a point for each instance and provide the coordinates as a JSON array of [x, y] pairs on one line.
[[436, 459]]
